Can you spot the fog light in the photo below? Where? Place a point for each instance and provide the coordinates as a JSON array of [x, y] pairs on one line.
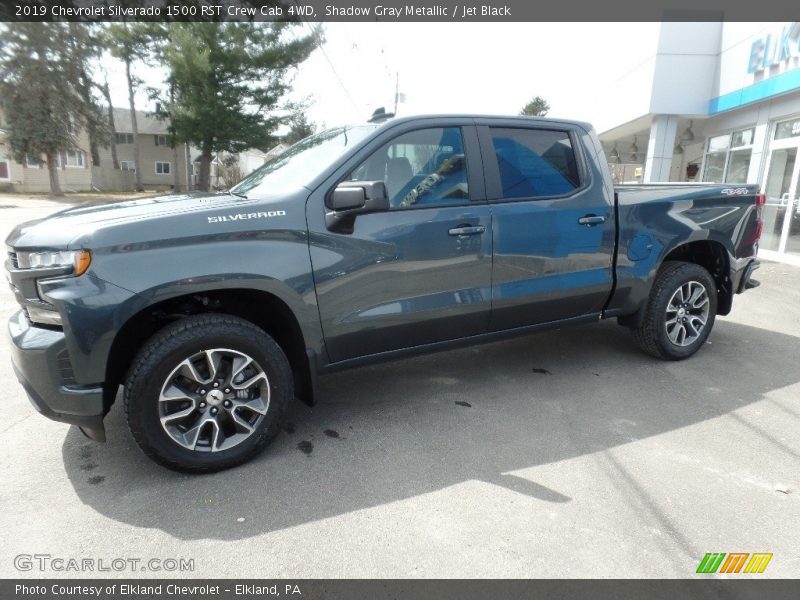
[[43, 316]]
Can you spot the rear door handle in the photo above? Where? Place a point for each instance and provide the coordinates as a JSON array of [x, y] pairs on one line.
[[467, 230], [591, 220]]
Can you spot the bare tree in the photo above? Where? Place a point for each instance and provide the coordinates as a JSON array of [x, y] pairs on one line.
[[112, 125]]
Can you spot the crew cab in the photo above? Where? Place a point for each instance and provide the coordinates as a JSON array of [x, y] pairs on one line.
[[360, 243]]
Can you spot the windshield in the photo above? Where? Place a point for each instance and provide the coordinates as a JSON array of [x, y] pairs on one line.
[[299, 164]]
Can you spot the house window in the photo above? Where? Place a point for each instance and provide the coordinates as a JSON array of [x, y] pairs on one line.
[[34, 161], [123, 138], [127, 165], [75, 159], [787, 129], [161, 140], [4, 166], [727, 158], [162, 168]]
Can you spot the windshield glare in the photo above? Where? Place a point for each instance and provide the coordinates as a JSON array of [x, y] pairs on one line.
[[299, 164]]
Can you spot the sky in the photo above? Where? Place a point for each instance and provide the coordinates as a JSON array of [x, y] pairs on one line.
[[455, 68]]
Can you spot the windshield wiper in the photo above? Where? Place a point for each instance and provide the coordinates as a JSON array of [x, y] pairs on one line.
[[237, 194]]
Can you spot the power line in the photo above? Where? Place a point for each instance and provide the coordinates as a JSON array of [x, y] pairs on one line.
[[335, 72]]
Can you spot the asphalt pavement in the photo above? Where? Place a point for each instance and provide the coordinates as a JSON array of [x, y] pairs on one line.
[[562, 454]]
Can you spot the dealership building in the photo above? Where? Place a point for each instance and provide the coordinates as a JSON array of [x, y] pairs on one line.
[[716, 102]]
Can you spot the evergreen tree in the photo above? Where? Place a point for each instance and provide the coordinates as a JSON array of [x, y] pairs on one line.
[[228, 81], [299, 128], [537, 107], [38, 92]]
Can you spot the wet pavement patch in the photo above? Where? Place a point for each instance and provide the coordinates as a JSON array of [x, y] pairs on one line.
[[541, 371], [96, 479], [462, 403], [331, 433], [289, 428], [305, 447]]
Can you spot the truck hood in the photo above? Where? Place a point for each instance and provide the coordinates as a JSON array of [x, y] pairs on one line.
[[69, 228]]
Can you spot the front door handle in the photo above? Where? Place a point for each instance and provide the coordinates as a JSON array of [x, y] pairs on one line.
[[590, 220], [467, 230]]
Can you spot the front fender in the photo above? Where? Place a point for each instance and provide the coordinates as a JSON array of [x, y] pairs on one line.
[[141, 275]]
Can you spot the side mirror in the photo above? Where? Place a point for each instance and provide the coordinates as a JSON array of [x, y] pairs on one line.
[[352, 198], [346, 197]]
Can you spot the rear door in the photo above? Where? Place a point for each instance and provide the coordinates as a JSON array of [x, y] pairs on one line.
[[553, 223], [421, 271]]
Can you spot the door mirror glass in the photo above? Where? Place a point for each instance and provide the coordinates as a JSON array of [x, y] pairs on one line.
[[363, 196], [346, 198]]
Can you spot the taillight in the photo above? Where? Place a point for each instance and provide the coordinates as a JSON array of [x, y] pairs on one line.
[[761, 200]]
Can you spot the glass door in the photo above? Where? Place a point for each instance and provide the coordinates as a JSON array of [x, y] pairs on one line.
[[782, 212], [779, 190]]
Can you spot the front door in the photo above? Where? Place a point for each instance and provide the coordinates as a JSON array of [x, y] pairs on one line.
[[553, 226], [782, 211], [420, 272]]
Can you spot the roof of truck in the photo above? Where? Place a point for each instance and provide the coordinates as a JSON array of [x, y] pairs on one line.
[[477, 116]]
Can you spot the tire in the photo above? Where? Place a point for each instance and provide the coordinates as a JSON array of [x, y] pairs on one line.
[[657, 333], [193, 401]]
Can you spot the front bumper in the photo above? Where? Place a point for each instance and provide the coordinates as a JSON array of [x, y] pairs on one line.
[[41, 363]]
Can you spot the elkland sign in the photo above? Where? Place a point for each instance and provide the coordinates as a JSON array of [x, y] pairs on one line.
[[773, 50]]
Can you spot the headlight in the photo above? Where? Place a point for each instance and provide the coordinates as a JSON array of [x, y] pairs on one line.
[[79, 260]]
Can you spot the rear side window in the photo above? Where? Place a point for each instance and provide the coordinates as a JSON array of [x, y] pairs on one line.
[[535, 162]]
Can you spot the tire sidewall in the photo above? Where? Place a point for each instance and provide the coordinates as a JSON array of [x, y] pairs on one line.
[[143, 411]]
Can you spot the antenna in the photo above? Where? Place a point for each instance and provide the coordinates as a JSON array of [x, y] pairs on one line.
[[379, 115]]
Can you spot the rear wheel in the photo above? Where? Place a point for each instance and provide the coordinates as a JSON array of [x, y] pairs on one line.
[[207, 393], [680, 312]]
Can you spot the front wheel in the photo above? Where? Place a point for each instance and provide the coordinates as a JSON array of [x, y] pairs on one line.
[[207, 393], [680, 312]]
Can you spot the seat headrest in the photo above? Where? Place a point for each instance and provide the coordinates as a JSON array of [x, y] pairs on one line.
[[398, 168]]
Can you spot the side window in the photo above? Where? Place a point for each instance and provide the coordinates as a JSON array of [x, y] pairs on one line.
[[535, 162], [420, 168]]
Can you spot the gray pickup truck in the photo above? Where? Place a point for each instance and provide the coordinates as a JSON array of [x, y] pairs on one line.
[[360, 243]]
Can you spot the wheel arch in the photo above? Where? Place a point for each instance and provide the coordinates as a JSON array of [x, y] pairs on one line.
[[714, 257], [711, 254], [264, 309]]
